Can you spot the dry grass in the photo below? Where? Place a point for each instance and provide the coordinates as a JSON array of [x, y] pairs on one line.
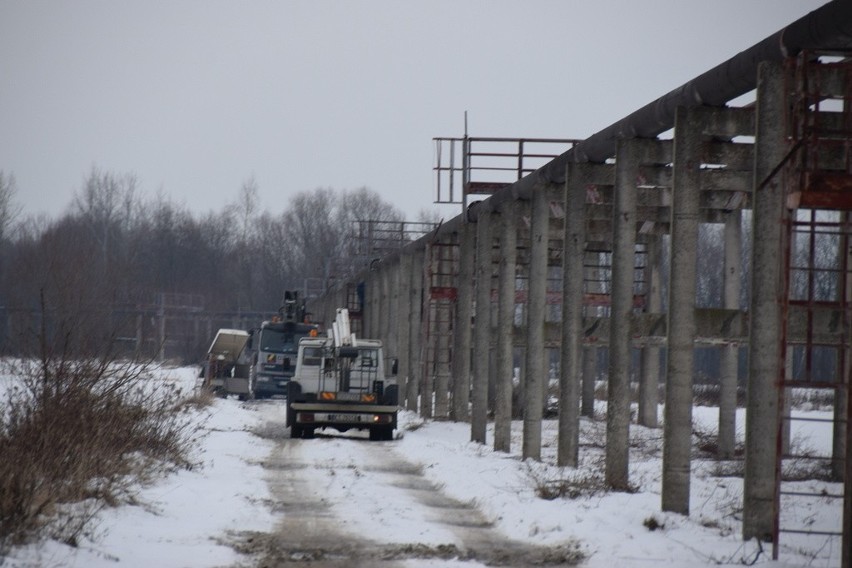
[[79, 435]]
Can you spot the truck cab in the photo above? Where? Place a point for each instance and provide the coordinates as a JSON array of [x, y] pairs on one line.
[[275, 346]]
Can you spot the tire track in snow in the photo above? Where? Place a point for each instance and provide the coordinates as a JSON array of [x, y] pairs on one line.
[[349, 502]]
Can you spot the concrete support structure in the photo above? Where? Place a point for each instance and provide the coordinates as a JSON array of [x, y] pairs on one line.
[[573, 255], [623, 262], [730, 353], [590, 375], [442, 331], [536, 309], [404, 325], [505, 324], [677, 443], [765, 363], [415, 370], [392, 344], [481, 329], [649, 377], [460, 411]]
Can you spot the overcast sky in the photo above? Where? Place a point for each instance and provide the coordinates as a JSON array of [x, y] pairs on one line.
[[195, 97]]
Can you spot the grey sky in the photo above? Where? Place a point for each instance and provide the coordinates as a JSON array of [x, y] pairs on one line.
[[196, 97]]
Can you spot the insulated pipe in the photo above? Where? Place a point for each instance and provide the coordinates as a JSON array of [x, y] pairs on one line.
[[827, 27]]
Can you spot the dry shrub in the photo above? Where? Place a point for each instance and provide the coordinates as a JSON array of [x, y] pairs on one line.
[[566, 484], [79, 435]]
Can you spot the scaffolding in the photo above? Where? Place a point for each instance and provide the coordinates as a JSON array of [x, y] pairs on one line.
[[815, 342]]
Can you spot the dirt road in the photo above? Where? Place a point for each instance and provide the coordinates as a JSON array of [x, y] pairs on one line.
[[346, 501]]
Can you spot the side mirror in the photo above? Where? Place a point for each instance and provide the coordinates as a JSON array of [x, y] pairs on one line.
[[394, 366]]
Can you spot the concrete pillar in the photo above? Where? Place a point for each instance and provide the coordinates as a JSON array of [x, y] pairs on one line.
[[462, 332], [430, 340], [161, 335], [846, 561], [677, 440], [840, 455], [730, 353], [590, 374], [415, 337], [392, 344], [623, 265], [649, 378], [764, 363], [536, 309], [442, 331], [372, 308], [505, 327], [384, 323], [405, 345], [481, 328], [573, 256]]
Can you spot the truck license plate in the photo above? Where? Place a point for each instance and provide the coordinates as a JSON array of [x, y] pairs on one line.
[[344, 418]]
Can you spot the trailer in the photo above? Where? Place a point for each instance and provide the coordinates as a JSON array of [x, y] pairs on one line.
[[227, 368]]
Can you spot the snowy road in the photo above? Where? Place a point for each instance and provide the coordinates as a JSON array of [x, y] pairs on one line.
[[346, 501]]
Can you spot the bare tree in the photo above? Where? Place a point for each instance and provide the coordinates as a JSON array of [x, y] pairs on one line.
[[8, 209], [106, 202]]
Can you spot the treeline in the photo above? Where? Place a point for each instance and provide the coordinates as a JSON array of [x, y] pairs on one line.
[[113, 249]]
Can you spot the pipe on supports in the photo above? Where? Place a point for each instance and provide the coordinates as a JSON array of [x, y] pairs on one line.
[[829, 26]]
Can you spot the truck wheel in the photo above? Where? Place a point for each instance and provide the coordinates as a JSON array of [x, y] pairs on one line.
[[295, 431], [308, 433]]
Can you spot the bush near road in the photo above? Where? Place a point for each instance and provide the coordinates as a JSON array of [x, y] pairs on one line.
[[78, 435]]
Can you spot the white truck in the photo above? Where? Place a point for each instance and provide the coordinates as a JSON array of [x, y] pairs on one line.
[[340, 383]]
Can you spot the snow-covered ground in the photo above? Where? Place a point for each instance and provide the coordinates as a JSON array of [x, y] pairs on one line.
[[185, 520]]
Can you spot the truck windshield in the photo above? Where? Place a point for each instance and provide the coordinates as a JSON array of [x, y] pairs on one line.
[[280, 341]]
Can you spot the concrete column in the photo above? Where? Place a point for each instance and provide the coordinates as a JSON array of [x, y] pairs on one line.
[[764, 363], [430, 340], [482, 328], [161, 336], [846, 561], [384, 323], [840, 455], [370, 308], [590, 373], [536, 309], [415, 369], [505, 327], [573, 256], [404, 330], [729, 361], [443, 338], [677, 441], [139, 335], [623, 265], [462, 332], [649, 379], [392, 344]]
